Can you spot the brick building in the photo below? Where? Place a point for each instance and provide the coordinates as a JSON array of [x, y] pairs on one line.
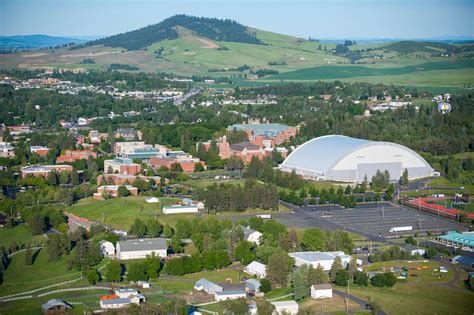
[[40, 150], [43, 170], [121, 166], [186, 161], [75, 155]]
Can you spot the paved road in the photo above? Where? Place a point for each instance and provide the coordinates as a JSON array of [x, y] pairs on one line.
[[356, 299]]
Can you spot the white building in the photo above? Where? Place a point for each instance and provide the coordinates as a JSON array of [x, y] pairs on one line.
[[136, 249], [152, 200], [174, 209], [256, 269], [285, 307], [114, 303], [252, 235], [321, 291], [229, 295], [125, 293], [107, 248], [207, 286], [325, 259]]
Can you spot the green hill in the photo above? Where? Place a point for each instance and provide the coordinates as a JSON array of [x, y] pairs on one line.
[[211, 28], [406, 47]]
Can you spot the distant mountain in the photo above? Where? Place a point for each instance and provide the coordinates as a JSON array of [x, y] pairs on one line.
[[35, 41], [211, 28]]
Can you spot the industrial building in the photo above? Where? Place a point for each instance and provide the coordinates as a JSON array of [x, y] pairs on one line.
[[324, 259], [346, 159], [137, 249], [458, 240]]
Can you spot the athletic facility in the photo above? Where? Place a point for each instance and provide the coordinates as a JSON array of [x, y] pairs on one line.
[[346, 159]]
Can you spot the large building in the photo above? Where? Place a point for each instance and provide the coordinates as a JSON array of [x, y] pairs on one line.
[[43, 170], [265, 135], [324, 259], [346, 159], [458, 240], [75, 155], [138, 249], [185, 160], [121, 166]]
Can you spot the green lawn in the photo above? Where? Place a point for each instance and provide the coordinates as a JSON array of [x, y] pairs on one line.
[[21, 234], [425, 275], [121, 212], [419, 299], [20, 278], [276, 293]]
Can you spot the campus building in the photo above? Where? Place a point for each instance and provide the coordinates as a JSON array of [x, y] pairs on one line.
[[345, 159], [186, 161], [111, 191], [75, 155], [458, 240], [324, 259], [43, 170], [265, 135], [40, 150], [121, 166]]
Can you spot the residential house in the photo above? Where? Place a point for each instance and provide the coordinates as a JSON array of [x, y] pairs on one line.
[[256, 269], [55, 306], [230, 295], [107, 248], [252, 285], [252, 236], [207, 286], [285, 308]]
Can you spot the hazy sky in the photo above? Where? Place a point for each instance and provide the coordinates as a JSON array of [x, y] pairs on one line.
[[344, 19]]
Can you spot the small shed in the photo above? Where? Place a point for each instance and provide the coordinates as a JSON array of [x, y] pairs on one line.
[[144, 284], [286, 307], [321, 291]]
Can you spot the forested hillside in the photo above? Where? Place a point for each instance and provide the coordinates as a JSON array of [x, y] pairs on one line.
[[212, 28], [406, 47]]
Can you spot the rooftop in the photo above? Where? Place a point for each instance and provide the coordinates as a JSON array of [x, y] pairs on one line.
[[244, 145], [143, 244], [461, 238], [233, 292], [317, 256], [267, 130], [115, 301], [324, 286]]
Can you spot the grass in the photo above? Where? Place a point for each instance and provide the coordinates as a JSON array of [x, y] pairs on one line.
[[277, 293], [20, 278], [121, 212], [418, 298], [21, 234], [336, 304], [208, 182], [428, 275]]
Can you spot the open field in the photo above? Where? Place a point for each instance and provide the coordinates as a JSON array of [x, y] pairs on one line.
[[121, 212], [336, 304], [21, 234], [418, 298], [20, 278], [430, 274]]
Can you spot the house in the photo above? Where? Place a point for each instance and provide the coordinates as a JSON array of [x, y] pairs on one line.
[[230, 295], [321, 291], [207, 286], [135, 249], [6, 150], [253, 309], [43, 170], [107, 248], [75, 155], [325, 259], [174, 209], [40, 150], [55, 305], [121, 165], [111, 191], [252, 285], [252, 235], [285, 307], [256, 269], [125, 293]]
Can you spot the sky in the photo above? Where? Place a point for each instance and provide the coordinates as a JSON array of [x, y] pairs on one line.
[[322, 19]]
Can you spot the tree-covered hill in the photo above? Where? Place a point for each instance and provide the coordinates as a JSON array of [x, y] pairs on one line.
[[406, 47], [212, 28]]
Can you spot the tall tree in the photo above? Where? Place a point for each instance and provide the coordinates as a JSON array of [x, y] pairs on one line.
[[113, 271], [278, 269], [336, 266]]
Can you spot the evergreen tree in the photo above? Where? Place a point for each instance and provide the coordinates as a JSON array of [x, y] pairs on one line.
[[298, 283], [336, 266], [352, 267], [265, 285], [317, 276], [277, 269], [167, 231], [361, 279], [137, 271], [28, 256]]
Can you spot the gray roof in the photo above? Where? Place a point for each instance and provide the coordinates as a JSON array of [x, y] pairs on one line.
[[316, 256], [248, 232], [244, 145], [253, 282], [54, 303], [267, 130], [231, 292], [142, 244], [206, 284], [116, 301], [324, 286]]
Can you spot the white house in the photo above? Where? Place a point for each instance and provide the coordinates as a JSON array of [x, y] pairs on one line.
[[125, 293], [256, 269], [285, 307], [135, 249], [325, 259], [107, 248], [229, 295], [207, 286], [152, 200], [321, 291], [174, 209], [252, 235]]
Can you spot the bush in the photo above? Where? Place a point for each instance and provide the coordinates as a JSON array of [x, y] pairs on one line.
[[361, 279], [387, 279], [342, 278], [265, 286], [430, 253]]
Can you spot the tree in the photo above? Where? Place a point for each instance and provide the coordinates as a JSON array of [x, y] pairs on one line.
[[37, 224], [154, 228], [176, 168], [243, 252], [430, 253], [28, 256], [13, 247], [264, 307], [386, 279], [352, 267], [167, 231], [361, 278], [265, 285], [113, 271], [123, 191], [153, 264], [389, 192], [336, 266], [57, 245], [52, 178], [298, 283], [405, 180], [93, 276], [237, 306], [138, 228], [137, 271], [317, 276], [342, 277], [198, 167], [313, 239], [277, 269]]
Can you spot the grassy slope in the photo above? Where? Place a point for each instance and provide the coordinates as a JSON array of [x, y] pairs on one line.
[[21, 234], [120, 212]]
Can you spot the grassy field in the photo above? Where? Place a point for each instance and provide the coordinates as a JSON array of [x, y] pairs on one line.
[[121, 212], [418, 298], [20, 278], [21, 234], [431, 274]]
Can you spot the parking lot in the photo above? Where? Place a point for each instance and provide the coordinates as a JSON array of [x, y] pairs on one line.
[[372, 220]]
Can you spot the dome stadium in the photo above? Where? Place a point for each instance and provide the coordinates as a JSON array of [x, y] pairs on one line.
[[346, 159]]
